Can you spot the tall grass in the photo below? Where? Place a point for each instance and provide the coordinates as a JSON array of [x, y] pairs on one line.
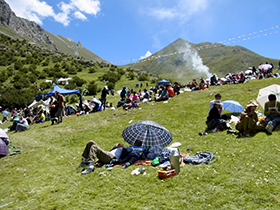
[[244, 175]]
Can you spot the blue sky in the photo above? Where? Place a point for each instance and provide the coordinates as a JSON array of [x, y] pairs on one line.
[[120, 30]]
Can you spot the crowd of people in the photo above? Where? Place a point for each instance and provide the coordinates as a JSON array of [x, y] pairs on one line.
[[131, 99], [248, 123], [22, 118], [264, 70], [161, 92]]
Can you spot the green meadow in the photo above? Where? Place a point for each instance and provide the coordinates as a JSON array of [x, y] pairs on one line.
[[243, 175]]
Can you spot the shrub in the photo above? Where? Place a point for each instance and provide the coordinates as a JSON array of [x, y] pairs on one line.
[[131, 75], [92, 89], [79, 82], [91, 70], [110, 76], [111, 85], [45, 85], [42, 75], [71, 85], [143, 77], [3, 76], [121, 71]]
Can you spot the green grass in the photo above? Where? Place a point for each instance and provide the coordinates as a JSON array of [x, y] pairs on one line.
[[244, 175]]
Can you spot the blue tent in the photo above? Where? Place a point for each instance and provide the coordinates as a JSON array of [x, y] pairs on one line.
[[58, 89], [163, 81]]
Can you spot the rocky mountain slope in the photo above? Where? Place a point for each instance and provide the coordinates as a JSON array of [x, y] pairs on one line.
[[20, 28]]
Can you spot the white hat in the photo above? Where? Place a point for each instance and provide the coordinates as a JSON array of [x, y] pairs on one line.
[[217, 102]]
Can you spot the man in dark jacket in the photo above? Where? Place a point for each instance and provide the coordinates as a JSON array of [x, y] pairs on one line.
[[104, 94]]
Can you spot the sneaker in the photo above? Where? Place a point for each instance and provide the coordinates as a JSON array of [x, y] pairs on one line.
[[88, 170], [214, 130], [83, 164], [232, 132], [126, 165], [114, 160], [228, 126], [269, 127]]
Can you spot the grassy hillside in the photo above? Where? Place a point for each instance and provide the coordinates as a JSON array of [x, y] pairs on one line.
[[220, 60], [25, 68], [244, 174]]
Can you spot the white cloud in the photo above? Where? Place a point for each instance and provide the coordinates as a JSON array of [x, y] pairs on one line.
[[33, 10], [37, 10], [148, 53], [183, 11], [88, 6], [80, 15]]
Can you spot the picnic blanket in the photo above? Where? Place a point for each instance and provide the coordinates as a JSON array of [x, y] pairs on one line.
[[148, 162]]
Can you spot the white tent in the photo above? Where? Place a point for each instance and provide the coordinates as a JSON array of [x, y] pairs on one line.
[[41, 104], [64, 81]]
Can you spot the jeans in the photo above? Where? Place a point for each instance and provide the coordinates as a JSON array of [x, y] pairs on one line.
[[275, 120]]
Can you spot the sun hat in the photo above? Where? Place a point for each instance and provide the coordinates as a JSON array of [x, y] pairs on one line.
[[252, 103], [217, 102]]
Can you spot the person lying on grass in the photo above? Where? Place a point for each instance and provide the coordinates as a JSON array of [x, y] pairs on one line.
[[118, 154], [135, 152]]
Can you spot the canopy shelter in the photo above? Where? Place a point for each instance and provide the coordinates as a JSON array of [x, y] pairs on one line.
[[58, 89], [62, 91]]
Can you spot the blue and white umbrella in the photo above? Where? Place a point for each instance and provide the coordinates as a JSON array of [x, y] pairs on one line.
[[232, 106], [149, 132], [163, 81]]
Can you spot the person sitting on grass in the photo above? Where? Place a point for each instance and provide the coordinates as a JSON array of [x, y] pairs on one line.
[[272, 113], [41, 118], [249, 121], [22, 125], [214, 121], [164, 95]]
